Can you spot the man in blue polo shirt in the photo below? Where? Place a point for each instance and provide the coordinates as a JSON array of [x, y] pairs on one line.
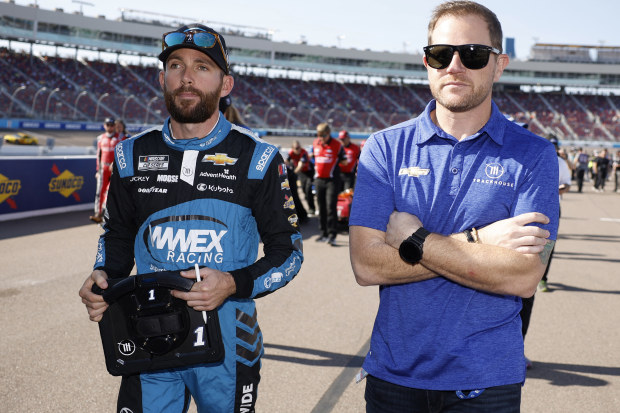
[[454, 216]]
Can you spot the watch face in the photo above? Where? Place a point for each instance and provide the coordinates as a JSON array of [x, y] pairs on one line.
[[410, 251]]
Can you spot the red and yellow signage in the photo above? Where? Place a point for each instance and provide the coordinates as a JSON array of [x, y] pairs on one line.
[[66, 183], [8, 188]]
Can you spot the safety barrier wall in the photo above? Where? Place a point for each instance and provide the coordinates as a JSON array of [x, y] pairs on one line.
[[136, 128], [7, 123], [31, 186]]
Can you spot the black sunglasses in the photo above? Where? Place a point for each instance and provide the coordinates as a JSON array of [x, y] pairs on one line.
[[473, 56]]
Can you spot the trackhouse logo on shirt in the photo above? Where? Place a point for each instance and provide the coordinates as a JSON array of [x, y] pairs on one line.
[[493, 172]]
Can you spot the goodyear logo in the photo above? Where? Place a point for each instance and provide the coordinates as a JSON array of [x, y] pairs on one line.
[[8, 187], [66, 183]]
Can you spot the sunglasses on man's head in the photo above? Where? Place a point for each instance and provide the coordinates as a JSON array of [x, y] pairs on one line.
[[196, 36], [473, 56]]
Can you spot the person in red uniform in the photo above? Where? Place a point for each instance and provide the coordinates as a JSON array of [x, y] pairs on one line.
[[105, 159], [328, 154], [299, 161], [352, 152]]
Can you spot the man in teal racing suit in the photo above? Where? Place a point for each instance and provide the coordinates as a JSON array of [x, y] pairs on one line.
[[199, 190]]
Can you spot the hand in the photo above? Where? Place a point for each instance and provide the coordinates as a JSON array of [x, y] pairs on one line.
[[95, 305], [400, 227], [515, 233], [216, 286]]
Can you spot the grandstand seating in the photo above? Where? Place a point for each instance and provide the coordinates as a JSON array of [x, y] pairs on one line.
[[68, 89]]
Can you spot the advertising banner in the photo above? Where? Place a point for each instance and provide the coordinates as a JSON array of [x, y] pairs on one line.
[[32, 184]]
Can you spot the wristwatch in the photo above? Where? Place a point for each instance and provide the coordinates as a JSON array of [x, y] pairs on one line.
[[410, 250]]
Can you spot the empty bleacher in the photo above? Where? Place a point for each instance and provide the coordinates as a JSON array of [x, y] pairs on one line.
[[59, 88]]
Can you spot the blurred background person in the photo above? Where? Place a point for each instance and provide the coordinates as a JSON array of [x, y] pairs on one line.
[[105, 160], [231, 113], [616, 169], [328, 155], [121, 130], [581, 161], [600, 167], [348, 170], [299, 160]]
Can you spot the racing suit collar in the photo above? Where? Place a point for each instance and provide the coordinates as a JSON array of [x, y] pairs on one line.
[[217, 134]]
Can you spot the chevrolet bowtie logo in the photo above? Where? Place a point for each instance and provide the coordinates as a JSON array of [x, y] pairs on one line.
[[414, 171], [219, 159]]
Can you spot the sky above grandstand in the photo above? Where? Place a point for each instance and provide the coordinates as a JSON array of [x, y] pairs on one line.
[[389, 25]]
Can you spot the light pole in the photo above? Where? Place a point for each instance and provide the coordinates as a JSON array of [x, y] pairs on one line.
[[47, 103], [329, 112], [77, 98], [125, 105], [346, 122], [288, 116], [312, 112], [392, 117], [267, 113], [368, 121], [34, 99], [19, 89], [103, 96], [148, 108], [58, 109]]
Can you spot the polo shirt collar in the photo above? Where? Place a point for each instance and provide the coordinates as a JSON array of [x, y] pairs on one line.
[[494, 128]]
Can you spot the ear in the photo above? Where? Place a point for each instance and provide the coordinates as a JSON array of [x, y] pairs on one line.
[[162, 74], [425, 62], [502, 62], [227, 86]]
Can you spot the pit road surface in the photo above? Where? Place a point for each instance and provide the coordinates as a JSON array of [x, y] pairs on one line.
[[316, 329]]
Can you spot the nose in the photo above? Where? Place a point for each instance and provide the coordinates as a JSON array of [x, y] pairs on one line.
[[186, 77], [456, 65]]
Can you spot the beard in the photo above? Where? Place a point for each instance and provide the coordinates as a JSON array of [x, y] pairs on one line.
[[190, 112], [459, 104]]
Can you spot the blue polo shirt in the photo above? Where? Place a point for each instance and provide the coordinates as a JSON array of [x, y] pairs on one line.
[[436, 334]]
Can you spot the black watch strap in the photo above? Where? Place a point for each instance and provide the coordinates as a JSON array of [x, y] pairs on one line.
[[421, 234]]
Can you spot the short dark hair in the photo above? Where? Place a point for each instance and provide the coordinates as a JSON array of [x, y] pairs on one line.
[[464, 8]]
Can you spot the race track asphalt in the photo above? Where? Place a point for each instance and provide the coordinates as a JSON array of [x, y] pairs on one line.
[[316, 330]]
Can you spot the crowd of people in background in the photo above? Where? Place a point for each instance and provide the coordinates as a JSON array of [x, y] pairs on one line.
[[596, 166], [326, 172]]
